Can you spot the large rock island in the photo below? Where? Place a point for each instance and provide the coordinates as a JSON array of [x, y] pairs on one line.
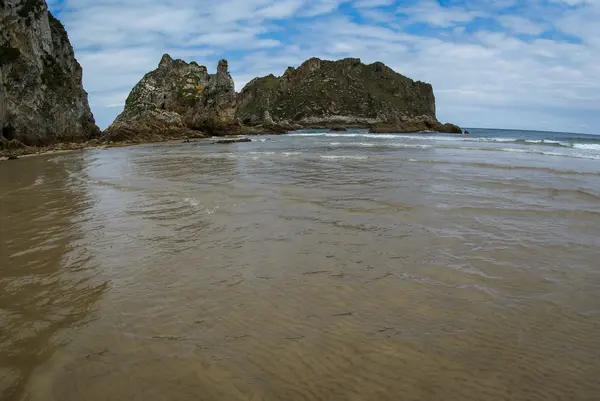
[[177, 99], [347, 92], [42, 100], [183, 99]]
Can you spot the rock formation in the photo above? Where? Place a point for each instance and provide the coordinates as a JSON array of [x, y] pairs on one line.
[[180, 99], [42, 100], [346, 92], [176, 99]]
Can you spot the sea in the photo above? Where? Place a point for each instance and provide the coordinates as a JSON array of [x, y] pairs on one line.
[[309, 266]]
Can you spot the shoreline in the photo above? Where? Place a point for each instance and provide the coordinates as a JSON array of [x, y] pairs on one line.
[[24, 151], [6, 155], [31, 151]]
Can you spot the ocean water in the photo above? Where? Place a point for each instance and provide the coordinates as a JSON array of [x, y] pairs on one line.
[[584, 146], [309, 266]]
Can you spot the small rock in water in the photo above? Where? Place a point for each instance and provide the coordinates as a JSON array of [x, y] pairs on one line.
[[13, 157], [233, 140], [338, 129]]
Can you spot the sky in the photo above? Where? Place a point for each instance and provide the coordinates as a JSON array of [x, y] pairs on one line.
[[493, 64]]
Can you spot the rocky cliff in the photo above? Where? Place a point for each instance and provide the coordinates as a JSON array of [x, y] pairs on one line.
[[177, 98], [42, 100], [180, 98], [346, 92]]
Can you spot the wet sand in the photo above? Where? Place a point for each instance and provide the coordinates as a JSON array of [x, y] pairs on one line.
[[298, 270]]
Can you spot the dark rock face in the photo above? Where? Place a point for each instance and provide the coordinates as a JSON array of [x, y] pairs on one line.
[[332, 93], [416, 125], [176, 99], [42, 100]]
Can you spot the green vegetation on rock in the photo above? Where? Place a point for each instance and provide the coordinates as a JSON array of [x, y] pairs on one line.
[[191, 94], [53, 74], [336, 92]]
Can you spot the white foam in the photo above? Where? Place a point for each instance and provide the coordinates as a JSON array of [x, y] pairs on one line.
[[410, 146], [548, 141], [340, 157], [576, 155], [587, 146], [191, 201], [354, 135], [550, 153], [336, 135], [424, 136], [365, 144], [220, 155], [287, 154]]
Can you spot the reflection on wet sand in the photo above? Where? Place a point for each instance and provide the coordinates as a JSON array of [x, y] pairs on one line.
[[46, 278], [265, 273]]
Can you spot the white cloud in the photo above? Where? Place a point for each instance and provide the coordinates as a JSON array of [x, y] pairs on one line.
[[582, 23], [282, 9], [521, 25], [318, 7], [575, 2], [431, 12], [373, 3]]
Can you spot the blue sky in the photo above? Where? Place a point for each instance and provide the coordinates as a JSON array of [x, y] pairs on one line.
[[504, 63]]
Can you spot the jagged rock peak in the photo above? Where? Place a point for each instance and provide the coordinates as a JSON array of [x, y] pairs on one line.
[[223, 66], [311, 64], [165, 61], [176, 98], [42, 100]]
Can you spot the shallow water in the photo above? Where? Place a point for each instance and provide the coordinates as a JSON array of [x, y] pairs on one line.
[[305, 267]]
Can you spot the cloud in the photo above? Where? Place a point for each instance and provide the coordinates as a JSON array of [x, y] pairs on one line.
[[433, 13], [373, 3], [509, 63], [318, 7], [521, 25], [582, 22], [574, 2]]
